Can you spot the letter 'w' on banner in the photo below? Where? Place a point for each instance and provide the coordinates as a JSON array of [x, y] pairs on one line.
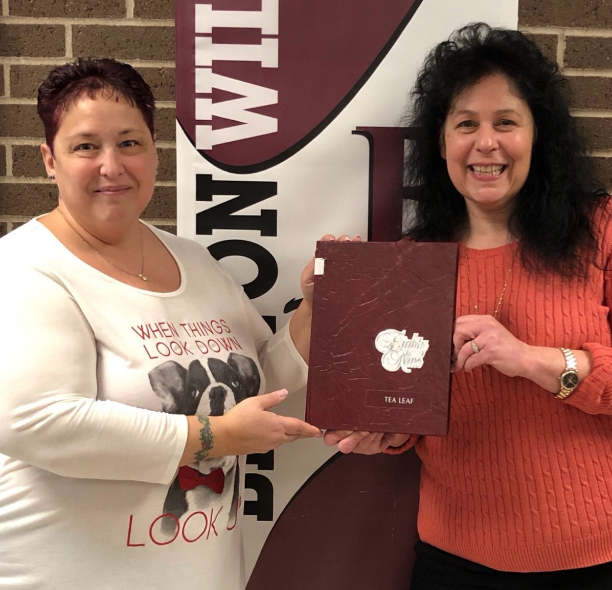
[[289, 126]]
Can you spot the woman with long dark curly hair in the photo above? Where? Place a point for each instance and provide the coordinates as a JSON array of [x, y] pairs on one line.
[[519, 493]]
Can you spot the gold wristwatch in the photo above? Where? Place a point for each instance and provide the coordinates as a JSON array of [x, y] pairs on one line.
[[568, 380]]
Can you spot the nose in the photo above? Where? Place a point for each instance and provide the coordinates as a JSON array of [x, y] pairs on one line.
[[111, 163], [486, 139]]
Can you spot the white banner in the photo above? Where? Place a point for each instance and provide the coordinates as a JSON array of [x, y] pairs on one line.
[[269, 95]]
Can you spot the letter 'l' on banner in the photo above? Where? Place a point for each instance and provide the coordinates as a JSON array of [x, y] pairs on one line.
[[289, 127]]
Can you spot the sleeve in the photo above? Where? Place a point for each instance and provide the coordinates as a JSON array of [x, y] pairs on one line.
[[414, 438], [282, 364], [51, 418], [594, 393]]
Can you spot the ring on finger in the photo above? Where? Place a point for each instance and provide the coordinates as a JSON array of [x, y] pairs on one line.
[[475, 347]]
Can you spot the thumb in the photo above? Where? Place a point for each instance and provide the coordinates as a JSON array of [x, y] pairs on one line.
[[269, 400]]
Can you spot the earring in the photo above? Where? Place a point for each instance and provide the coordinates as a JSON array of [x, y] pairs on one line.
[[51, 177]]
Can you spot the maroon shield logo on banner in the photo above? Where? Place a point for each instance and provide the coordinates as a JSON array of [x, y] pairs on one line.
[[256, 81]]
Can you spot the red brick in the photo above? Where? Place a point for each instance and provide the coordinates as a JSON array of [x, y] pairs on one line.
[[165, 124], [160, 9], [588, 52], [20, 120], [32, 40], [27, 162], [69, 8], [163, 204], [27, 199], [124, 42], [2, 160], [548, 45], [167, 164], [590, 92], [587, 13], [597, 132], [161, 81], [25, 80]]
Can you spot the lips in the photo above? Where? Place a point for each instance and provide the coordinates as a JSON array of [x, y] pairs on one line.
[[113, 189], [326, 53]]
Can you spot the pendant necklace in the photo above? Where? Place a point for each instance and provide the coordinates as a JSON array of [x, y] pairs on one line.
[[501, 296], [140, 275]]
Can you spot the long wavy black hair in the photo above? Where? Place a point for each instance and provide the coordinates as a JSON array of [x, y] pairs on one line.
[[553, 211]]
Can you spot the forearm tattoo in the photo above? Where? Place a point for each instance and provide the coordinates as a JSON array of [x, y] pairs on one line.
[[206, 438]]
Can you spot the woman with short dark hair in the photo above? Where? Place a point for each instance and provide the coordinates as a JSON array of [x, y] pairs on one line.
[[130, 368], [519, 493]]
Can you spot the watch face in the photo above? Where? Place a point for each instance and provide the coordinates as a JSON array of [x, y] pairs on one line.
[[569, 380]]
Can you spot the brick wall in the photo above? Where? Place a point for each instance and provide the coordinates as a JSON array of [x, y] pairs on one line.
[[578, 35], [38, 34]]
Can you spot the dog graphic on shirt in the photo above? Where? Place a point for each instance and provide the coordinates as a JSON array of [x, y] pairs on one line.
[[211, 387]]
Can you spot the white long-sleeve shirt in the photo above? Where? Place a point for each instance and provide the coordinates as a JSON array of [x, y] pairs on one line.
[[96, 378]]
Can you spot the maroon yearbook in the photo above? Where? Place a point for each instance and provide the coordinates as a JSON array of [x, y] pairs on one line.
[[381, 345]]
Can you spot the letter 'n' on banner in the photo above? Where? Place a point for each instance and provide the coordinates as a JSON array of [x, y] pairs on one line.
[[289, 126]]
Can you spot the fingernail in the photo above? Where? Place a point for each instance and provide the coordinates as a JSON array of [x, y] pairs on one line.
[[319, 434], [283, 393]]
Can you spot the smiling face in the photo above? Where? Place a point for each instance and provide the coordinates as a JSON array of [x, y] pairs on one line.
[[487, 144], [104, 162]]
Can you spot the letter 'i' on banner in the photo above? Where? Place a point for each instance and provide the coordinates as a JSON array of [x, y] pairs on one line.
[[289, 126]]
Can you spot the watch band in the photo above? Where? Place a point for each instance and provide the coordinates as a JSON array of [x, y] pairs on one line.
[[568, 380], [570, 360]]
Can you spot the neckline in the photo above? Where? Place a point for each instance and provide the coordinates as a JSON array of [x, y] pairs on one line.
[[476, 253], [183, 282]]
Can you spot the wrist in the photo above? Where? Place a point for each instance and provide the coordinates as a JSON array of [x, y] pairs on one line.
[[222, 442], [214, 439], [532, 363], [304, 310], [543, 365], [568, 379]]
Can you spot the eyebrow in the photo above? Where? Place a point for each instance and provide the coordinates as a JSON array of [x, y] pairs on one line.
[[498, 113], [92, 135]]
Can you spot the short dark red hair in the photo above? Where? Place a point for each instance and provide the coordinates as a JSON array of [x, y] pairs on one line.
[[66, 84]]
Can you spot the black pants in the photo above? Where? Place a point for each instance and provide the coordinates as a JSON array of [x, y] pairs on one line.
[[438, 570]]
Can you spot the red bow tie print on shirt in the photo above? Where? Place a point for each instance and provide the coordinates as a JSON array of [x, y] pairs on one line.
[[272, 81], [190, 479]]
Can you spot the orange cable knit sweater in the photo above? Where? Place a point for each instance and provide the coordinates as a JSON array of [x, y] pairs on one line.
[[523, 482]]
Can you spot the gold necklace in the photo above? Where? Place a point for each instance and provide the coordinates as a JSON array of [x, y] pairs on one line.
[[501, 296], [140, 275]]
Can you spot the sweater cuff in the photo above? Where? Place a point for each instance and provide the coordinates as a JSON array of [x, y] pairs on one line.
[[403, 448], [593, 393]]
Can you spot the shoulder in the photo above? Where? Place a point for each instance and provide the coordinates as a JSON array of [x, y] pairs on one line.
[[28, 231], [28, 246], [602, 218], [30, 263], [601, 225]]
